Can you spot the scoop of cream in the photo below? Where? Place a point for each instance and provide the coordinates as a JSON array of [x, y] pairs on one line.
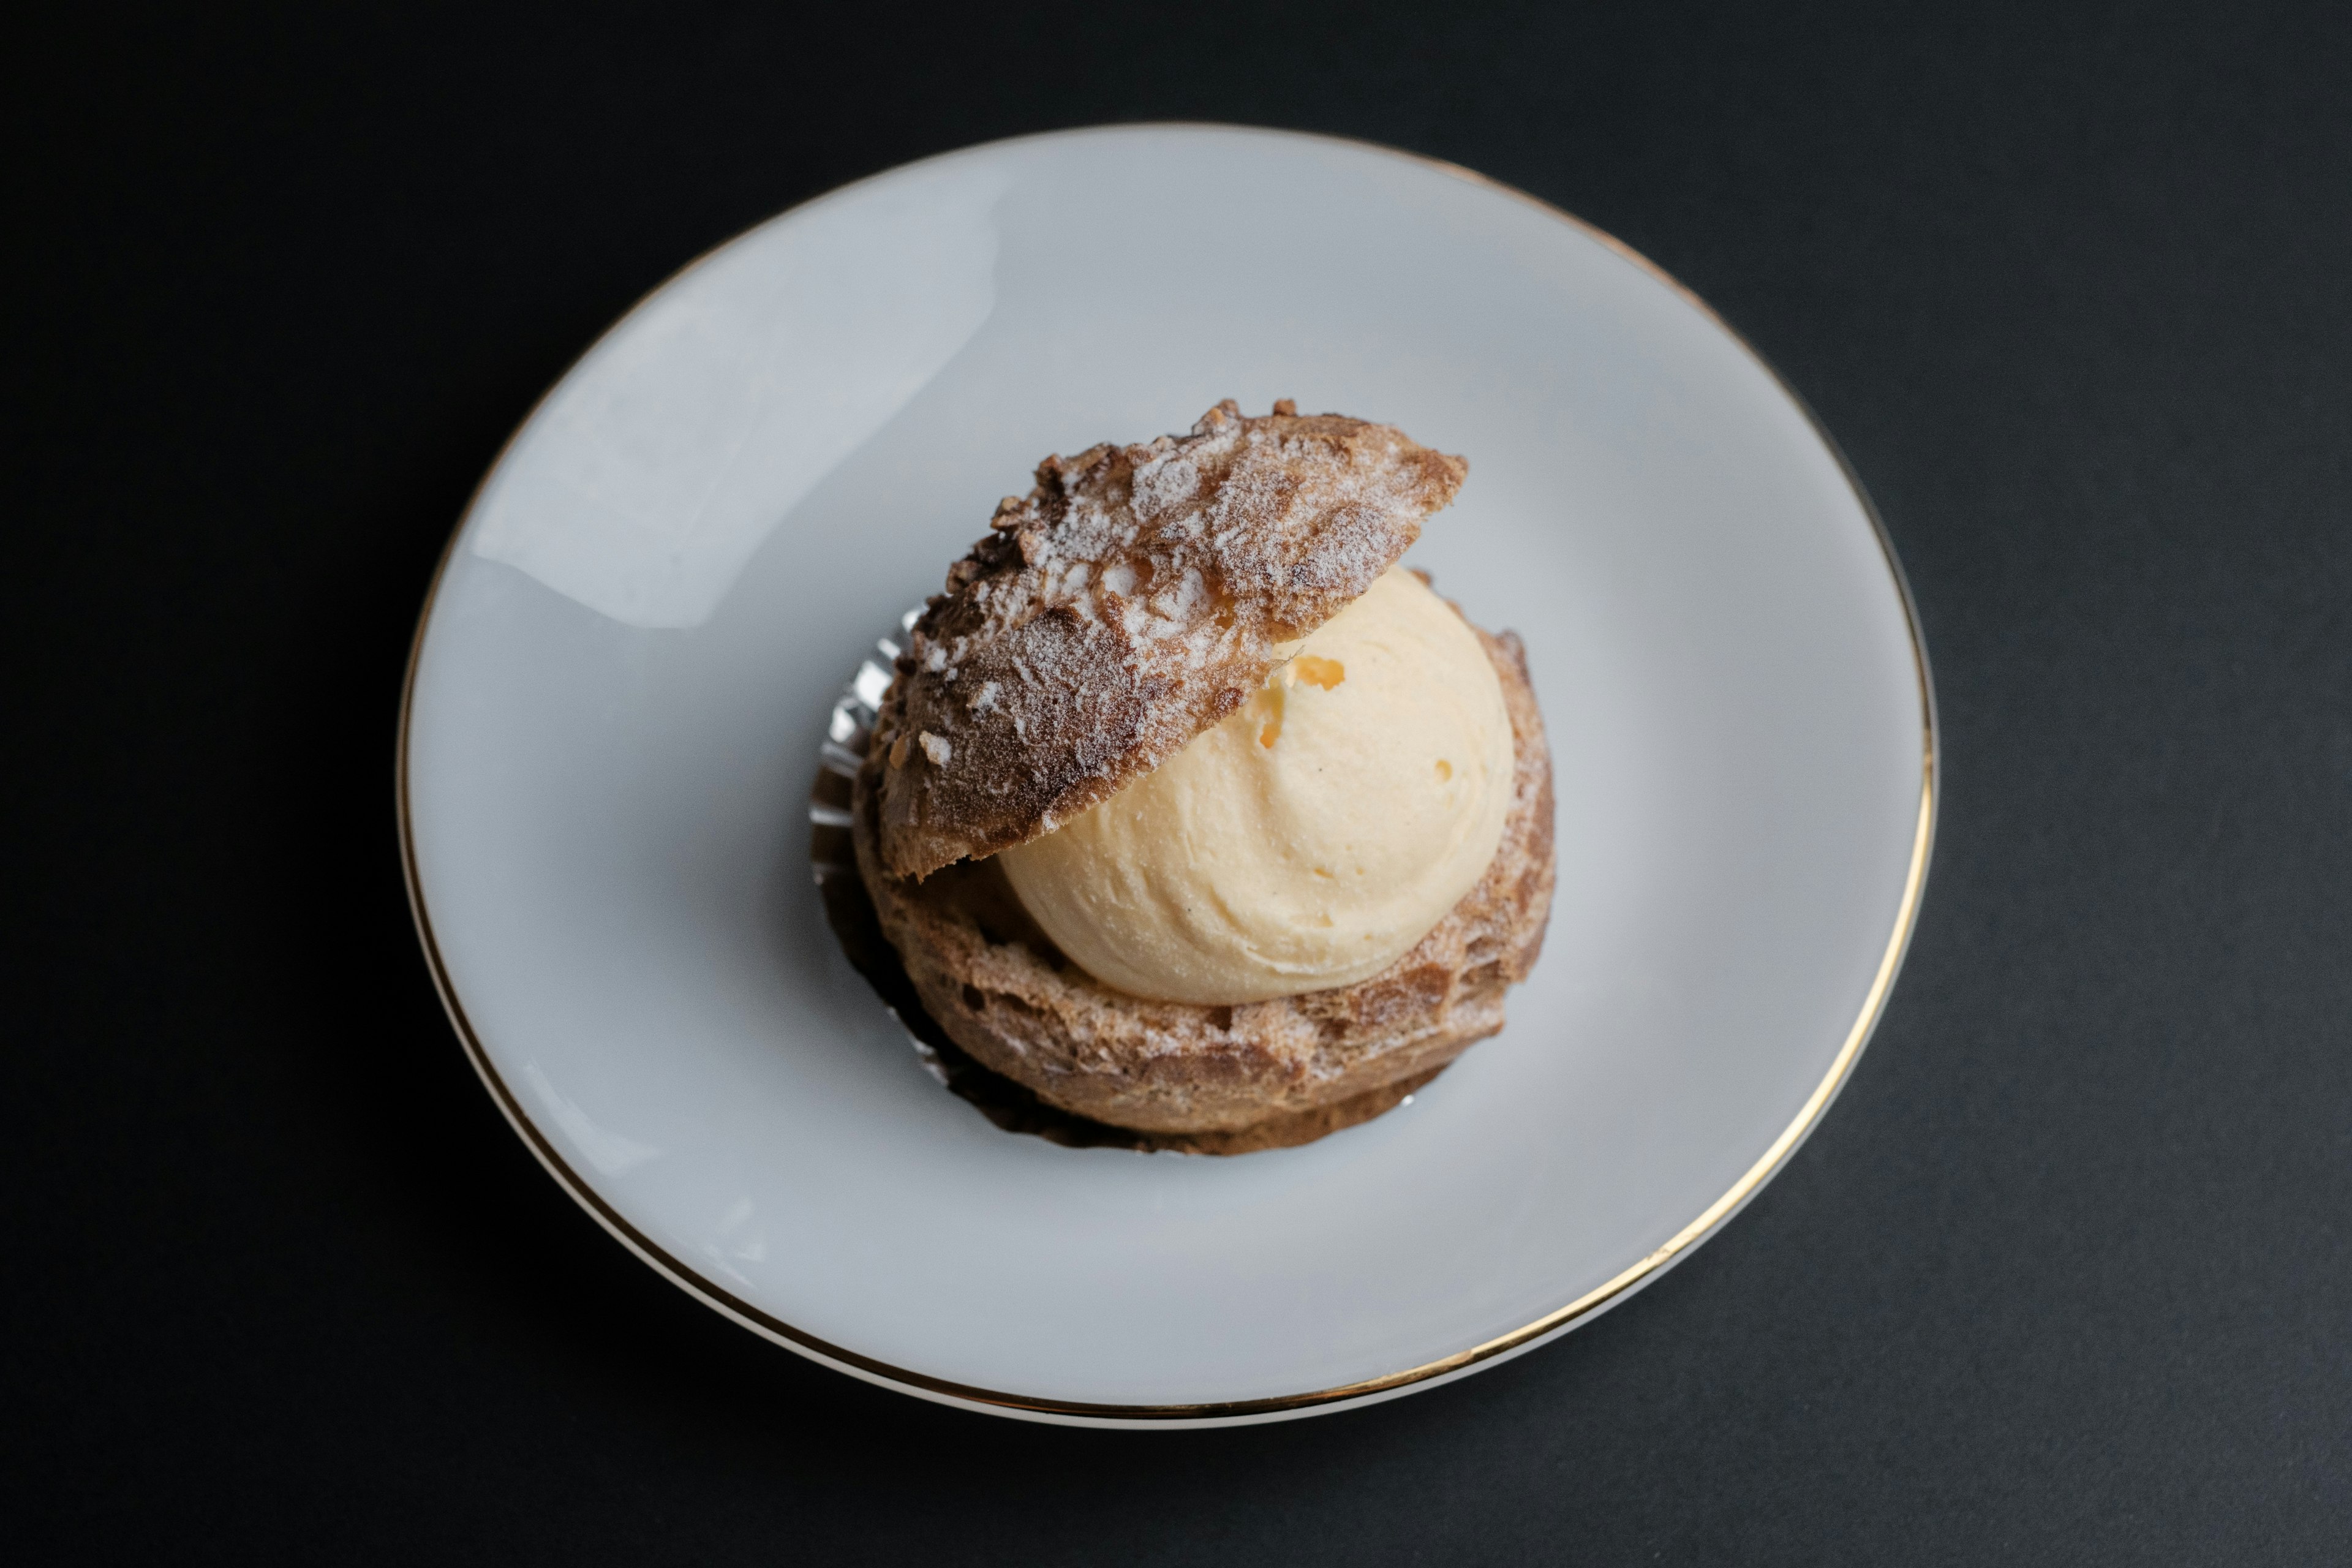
[[1310, 839]]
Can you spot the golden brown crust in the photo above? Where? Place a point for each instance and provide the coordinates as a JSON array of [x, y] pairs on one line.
[[1005, 994], [1129, 602]]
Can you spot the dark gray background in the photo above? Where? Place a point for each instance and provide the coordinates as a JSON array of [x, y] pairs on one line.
[[2067, 1275]]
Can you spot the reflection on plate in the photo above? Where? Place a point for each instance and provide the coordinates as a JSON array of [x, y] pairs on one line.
[[635, 644]]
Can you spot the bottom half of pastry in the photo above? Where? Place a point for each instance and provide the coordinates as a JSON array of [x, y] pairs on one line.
[[1306, 1064]]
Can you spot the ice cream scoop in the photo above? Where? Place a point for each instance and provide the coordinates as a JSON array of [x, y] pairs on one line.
[[1309, 839]]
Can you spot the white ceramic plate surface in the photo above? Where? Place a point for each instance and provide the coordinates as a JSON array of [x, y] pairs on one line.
[[626, 664]]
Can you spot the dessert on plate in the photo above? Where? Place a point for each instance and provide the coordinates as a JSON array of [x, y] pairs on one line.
[[1192, 812]]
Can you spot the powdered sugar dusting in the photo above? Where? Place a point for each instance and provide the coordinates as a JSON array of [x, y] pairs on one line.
[[1124, 605]]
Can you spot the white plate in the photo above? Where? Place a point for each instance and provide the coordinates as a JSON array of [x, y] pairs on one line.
[[625, 665]]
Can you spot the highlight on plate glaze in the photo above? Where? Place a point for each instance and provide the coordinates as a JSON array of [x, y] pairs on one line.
[[645, 483]]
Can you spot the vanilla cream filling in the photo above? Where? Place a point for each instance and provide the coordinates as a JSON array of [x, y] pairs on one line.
[[1310, 839]]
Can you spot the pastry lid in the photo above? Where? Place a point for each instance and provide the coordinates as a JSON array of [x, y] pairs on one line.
[[1133, 599]]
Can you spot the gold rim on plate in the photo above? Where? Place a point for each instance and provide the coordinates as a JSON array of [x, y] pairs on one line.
[[1524, 1337]]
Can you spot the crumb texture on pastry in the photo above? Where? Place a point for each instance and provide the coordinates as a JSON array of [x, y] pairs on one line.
[[1001, 991], [1132, 599]]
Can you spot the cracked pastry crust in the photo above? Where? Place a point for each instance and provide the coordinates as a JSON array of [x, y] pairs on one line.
[[1002, 992], [1130, 601]]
